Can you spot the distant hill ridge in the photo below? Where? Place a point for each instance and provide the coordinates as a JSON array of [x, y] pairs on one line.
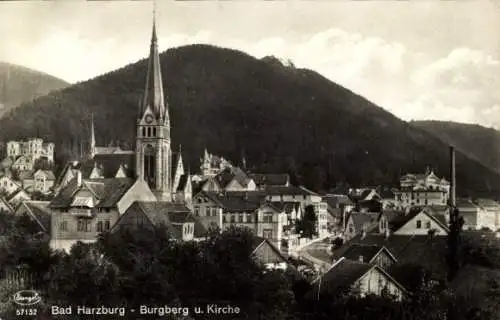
[[477, 142], [19, 84], [282, 118]]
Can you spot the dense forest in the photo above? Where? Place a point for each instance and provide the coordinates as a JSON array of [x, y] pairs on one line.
[[477, 142], [19, 84], [280, 117]]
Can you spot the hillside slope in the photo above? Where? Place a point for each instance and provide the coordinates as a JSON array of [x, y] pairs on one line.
[[478, 142], [280, 117], [19, 84]]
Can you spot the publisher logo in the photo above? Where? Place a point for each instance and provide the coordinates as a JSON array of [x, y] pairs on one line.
[[27, 297]]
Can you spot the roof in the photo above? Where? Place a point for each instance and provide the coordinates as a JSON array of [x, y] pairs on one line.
[[487, 203], [40, 212], [232, 173], [259, 241], [425, 250], [238, 201], [183, 181], [16, 193], [270, 179], [367, 251], [26, 175], [396, 221], [110, 163], [168, 213], [108, 191], [334, 200], [6, 203], [342, 275], [368, 220], [287, 190]]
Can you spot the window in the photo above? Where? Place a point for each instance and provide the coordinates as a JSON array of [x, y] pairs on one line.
[[224, 219], [83, 225], [196, 211], [107, 225], [154, 132], [233, 218], [149, 132], [99, 226], [267, 233], [268, 218], [63, 226], [240, 218], [143, 132], [419, 224], [249, 218], [428, 225]]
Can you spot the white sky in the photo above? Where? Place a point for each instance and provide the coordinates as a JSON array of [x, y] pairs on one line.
[[419, 59]]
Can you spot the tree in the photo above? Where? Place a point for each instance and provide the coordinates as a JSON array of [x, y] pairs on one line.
[[307, 226]]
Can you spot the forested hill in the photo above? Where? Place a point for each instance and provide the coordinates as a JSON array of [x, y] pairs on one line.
[[19, 84], [478, 142], [280, 117]]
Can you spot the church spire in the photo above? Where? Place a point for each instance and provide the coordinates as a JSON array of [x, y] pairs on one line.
[[153, 93]]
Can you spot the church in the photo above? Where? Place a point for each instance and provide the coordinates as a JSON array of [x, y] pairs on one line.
[[114, 185]]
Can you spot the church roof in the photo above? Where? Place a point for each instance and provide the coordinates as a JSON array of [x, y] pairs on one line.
[[270, 179], [183, 182]]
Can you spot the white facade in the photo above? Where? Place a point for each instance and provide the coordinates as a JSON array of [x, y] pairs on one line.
[[33, 148]]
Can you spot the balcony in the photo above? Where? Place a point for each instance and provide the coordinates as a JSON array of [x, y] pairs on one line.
[[82, 212]]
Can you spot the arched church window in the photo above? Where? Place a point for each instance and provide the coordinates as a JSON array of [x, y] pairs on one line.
[[149, 132], [143, 132], [154, 132]]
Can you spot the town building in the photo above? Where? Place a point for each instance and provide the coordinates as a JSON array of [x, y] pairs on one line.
[[39, 181], [32, 149], [423, 189], [368, 253], [358, 279], [211, 165]]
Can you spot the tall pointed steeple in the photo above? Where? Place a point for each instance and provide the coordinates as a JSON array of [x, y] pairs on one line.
[[92, 138], [153, 93]]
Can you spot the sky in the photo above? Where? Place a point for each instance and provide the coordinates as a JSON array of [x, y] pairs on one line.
[[418, 59]]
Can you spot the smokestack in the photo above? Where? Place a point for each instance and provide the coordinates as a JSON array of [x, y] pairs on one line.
[[453, 182]]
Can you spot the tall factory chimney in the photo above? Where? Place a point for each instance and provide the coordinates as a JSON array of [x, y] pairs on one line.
[[453, 181]]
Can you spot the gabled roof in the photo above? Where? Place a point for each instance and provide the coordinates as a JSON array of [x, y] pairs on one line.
[[270, 179], [368, 251], [16, 193], [425, 250], [334, 200], [169, 214], [400, 220], [237, 201], [344, 273], [26, 175], [487, 203], [49, 175], [110, 163], [257, 242], [108, 191]]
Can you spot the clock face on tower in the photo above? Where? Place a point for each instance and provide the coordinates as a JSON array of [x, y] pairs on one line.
[[149, 118]]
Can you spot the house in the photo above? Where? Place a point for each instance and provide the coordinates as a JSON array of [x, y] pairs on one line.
[[268, 254], [17, 197], [8, 185], [39, 212], [426, 250], [306, 198], [243, 209], [423, 189], [22, 163], [364, 194], [356, 278], [176, 217], [475, 216], [33, 149], [418, 221], [338, 207], [235, 179], [492, 215], [269, 179], [359, 223], [41, 181], [5, 206], [184, 190], [369, 253], [84, 208]]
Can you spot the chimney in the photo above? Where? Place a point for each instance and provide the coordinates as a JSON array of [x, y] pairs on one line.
[[452, 177], [78, 178], [387, 233]]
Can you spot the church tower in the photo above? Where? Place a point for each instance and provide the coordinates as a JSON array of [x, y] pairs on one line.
[[153, 150]]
